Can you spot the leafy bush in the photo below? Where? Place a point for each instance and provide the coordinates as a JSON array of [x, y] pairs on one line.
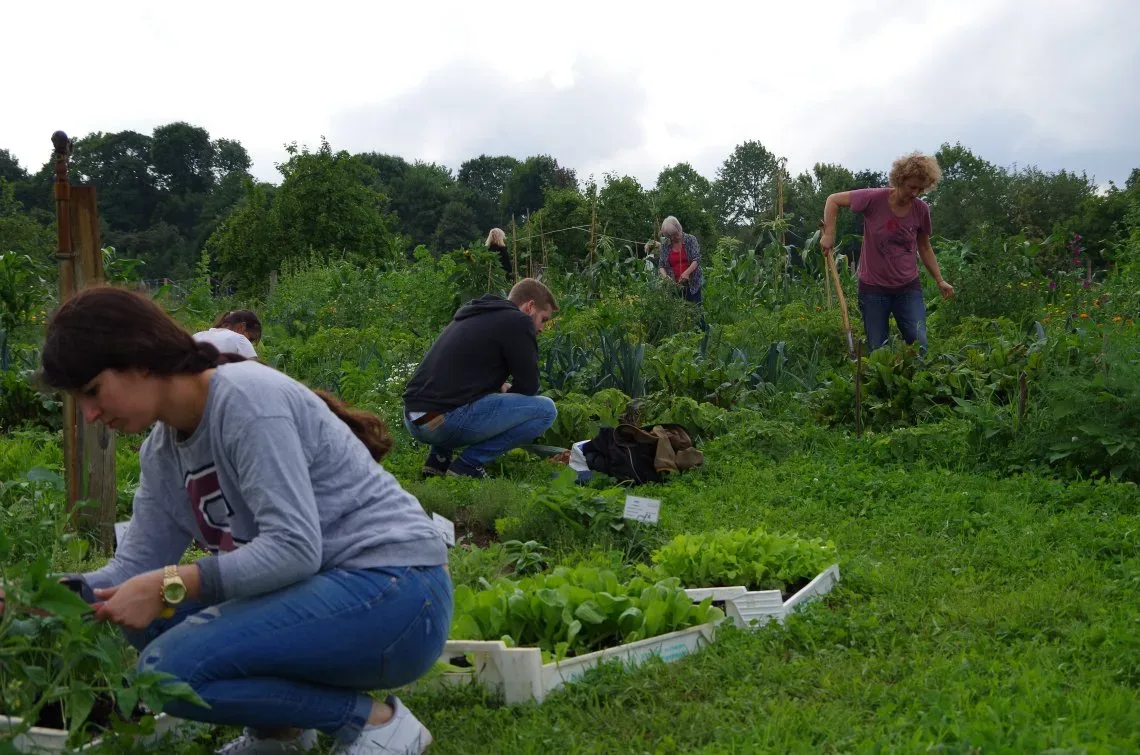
[[994, 279], [902, 387], [754, 558], [570, 612], [21, 403]]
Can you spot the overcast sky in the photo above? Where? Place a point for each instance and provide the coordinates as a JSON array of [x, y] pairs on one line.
[[602, 86]]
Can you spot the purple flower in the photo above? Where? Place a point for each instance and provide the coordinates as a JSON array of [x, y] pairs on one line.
[[1086, 284], [1052, 285]]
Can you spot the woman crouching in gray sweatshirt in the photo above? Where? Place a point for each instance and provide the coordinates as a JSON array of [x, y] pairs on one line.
[[324, 579]]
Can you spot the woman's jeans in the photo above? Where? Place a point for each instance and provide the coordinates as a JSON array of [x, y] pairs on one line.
[[488, 427], [303, 656], [910, 317]]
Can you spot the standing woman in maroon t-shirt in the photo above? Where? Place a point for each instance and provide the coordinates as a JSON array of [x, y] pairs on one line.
[[896, 232]]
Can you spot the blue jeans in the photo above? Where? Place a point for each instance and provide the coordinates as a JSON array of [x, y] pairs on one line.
[[303, 656], [910, 317], [488, 427]]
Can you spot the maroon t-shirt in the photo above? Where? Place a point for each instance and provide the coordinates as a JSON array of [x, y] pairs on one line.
[[888, 262]]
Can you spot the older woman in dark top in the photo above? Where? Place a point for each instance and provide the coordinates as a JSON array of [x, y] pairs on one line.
[[679, 258]]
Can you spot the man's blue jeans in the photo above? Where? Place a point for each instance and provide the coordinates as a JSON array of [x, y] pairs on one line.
[[488, 427], [908, 309], [303, 656]]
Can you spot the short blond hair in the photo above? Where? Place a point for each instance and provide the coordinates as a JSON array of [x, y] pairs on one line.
[[915, 165], [496, 237], [531, 289]]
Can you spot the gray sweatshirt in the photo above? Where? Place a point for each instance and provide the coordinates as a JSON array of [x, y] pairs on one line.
[[275, 486]]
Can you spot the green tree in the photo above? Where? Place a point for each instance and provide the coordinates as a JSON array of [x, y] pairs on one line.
[[624, 210], [485, 178], [457, 227], [118, 164], [419, 198], [183, 158], [745, 187], [325, 208], [526, 189], [971, 195], [20, 232]]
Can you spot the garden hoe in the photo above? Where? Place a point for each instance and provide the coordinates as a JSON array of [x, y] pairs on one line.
[[829, 258]]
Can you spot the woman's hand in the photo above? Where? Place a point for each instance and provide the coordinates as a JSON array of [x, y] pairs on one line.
[[664, 274], [827, 242], [946, 289], [134, 604], [684, 277]]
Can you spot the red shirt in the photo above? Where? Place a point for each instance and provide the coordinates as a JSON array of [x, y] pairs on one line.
[[677, 260]]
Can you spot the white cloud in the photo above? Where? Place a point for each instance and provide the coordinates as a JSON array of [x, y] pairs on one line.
[[600, 85]]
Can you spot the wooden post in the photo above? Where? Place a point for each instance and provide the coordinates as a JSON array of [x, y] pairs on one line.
[[542, 244], [514, 251], [593, 227], [65, 256], [272, 281], [96, 445]]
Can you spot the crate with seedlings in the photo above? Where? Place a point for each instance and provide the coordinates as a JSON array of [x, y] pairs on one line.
[[757, 575], [525, 638]]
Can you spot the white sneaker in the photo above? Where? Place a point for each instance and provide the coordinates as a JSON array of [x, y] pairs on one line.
[[402, 735], [251, 744]]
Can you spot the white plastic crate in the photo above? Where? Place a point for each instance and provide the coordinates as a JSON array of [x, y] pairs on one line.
[[42, 741], [519, 675], [753, 609]]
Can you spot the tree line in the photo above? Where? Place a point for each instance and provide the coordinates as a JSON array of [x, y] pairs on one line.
[[168, 196]]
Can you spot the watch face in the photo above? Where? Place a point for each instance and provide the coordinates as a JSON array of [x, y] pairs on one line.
[[174, 592]]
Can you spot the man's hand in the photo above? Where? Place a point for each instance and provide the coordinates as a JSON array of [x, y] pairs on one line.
[[505, 388], [134, 604], [946, 289]]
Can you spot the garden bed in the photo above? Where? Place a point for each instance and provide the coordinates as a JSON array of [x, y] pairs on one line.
[[518, 675]]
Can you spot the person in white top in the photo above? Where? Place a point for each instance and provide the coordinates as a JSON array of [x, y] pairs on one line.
[[234, 332]]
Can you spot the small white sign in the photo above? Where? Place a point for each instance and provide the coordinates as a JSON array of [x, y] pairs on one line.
[[641, 509], [446, 528]]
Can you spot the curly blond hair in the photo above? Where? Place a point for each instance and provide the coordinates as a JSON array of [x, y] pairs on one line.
[[915, 165]]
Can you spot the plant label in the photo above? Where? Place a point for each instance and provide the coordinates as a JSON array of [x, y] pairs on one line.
[[641, 509], [446, 528]]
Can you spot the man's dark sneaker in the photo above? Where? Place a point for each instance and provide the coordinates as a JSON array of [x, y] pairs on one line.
[[435, 465], [461, 468]]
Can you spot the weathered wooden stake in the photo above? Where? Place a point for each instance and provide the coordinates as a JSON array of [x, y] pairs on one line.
[[96, 446], [65, 256]]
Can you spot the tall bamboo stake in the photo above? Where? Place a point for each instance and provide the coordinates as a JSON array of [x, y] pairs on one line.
[[514, 251]]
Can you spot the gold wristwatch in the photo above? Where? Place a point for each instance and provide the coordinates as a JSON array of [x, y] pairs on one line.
[[173, 590]]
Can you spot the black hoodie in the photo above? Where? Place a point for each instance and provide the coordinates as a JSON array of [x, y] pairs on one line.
[[488, 340]]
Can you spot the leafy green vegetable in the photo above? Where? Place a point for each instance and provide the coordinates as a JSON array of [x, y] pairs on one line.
[[754, 558], [569, 612]]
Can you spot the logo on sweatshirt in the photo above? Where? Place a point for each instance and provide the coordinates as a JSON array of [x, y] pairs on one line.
[[211, 509]]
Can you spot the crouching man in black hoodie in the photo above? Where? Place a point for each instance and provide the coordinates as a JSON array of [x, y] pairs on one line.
[[459, 396]]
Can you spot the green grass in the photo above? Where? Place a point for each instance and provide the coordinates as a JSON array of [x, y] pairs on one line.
[[975, 613]]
